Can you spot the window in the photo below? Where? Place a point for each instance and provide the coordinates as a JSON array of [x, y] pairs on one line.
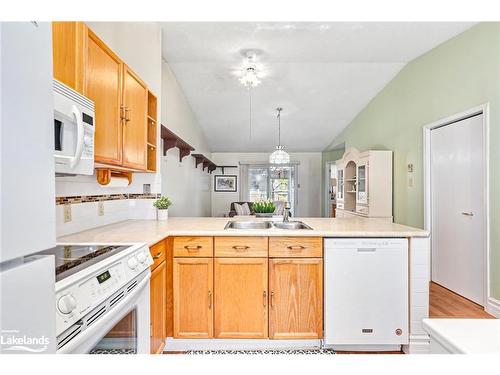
[[278, 183]]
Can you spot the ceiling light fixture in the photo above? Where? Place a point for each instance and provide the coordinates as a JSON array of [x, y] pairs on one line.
[[251, 71], [280, 156]]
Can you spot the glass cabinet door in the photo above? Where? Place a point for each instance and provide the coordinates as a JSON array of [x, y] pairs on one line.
[[362, 183], [340, 183]]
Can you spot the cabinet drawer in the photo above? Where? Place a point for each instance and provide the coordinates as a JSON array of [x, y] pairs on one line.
[[158, 252], [296, 247], [193, 247], [340, 206], [241, 247]]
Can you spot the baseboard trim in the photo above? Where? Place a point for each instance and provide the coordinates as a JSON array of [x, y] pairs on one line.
[[419, 344], [175, 345], [493, 307]]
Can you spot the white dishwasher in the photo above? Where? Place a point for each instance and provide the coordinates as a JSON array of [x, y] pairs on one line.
[[366, 291]]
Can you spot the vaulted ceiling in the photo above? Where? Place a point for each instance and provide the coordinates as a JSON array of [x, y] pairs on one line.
[[322, 74]]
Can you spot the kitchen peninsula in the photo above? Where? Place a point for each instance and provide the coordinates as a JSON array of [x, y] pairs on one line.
[[231, 288]]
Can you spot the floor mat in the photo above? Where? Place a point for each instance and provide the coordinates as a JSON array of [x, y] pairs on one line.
[[265, 351], [112, 351]]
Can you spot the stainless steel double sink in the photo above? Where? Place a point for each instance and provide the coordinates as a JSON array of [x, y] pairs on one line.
[[290, 225]]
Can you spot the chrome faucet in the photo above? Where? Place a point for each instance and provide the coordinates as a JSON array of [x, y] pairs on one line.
[[286, 213]]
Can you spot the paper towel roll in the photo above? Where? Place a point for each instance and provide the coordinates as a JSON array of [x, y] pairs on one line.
[[117, 182]]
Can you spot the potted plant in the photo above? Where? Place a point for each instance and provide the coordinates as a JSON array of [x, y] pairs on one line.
[[162, 205], [263, 208]]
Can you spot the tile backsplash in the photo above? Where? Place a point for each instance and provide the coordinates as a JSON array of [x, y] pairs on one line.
[[101, 198], [92, 205]]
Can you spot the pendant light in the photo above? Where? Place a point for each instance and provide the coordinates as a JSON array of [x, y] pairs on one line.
[[280, 156]]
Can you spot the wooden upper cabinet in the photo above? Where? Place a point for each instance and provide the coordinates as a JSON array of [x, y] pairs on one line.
[[68, 52], [241, 298], [85, 63], [135, 106], [158, 307], [296, 298], [193, 297], [103, 80]]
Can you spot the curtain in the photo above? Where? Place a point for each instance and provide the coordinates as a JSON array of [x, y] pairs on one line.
[[243, 182]]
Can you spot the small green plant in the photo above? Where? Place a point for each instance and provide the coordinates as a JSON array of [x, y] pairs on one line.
[[163, 203], [263, 207]]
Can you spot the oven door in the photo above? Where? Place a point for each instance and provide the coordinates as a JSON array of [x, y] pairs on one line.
[[124, 329]]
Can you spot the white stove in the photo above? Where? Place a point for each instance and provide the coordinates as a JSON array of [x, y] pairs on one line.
[[100, 286]]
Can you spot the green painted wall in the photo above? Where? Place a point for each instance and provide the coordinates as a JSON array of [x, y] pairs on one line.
[[461, 73], [325, 157]]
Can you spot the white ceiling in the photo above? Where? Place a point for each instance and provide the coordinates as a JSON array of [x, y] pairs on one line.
[[322, 74]]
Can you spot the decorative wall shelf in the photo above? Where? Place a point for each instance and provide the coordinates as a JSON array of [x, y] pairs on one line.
[[171, 140], [207, 163]]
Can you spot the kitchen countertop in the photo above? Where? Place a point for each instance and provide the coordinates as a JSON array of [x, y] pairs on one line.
[[151, 231], [466, 336]]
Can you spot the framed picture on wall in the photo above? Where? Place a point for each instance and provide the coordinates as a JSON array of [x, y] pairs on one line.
[[225, 183]]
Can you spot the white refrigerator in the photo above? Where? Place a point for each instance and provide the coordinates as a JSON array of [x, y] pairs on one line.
[[27, 189]]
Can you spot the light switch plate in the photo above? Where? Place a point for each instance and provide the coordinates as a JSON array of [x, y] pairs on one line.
[[100, 208], [67, 213]]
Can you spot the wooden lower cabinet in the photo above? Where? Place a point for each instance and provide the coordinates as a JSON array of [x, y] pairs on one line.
[[296, 298], [238, 297], [193, 297], [158, 307], [241, 298]]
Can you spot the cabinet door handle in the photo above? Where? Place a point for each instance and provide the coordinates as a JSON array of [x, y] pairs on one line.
[[468, 213], [272, 299], [264, 298], [240, 247], [127, 118], [158, 255], [192, 249], [366, 249], [210, 299], [295, 247]]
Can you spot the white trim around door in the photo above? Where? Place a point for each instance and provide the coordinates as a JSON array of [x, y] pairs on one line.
[[484, 110]]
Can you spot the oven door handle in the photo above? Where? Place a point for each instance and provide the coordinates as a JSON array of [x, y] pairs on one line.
[[80, 134]]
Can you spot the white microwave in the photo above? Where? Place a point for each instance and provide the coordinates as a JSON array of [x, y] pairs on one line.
[[74, 129]]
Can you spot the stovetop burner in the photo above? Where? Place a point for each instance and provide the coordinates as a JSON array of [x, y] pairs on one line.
[[70, 259]]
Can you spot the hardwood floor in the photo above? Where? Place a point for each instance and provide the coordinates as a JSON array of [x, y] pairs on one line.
[[444, 303]]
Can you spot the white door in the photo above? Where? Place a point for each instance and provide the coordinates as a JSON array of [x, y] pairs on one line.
[[457, 198]]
